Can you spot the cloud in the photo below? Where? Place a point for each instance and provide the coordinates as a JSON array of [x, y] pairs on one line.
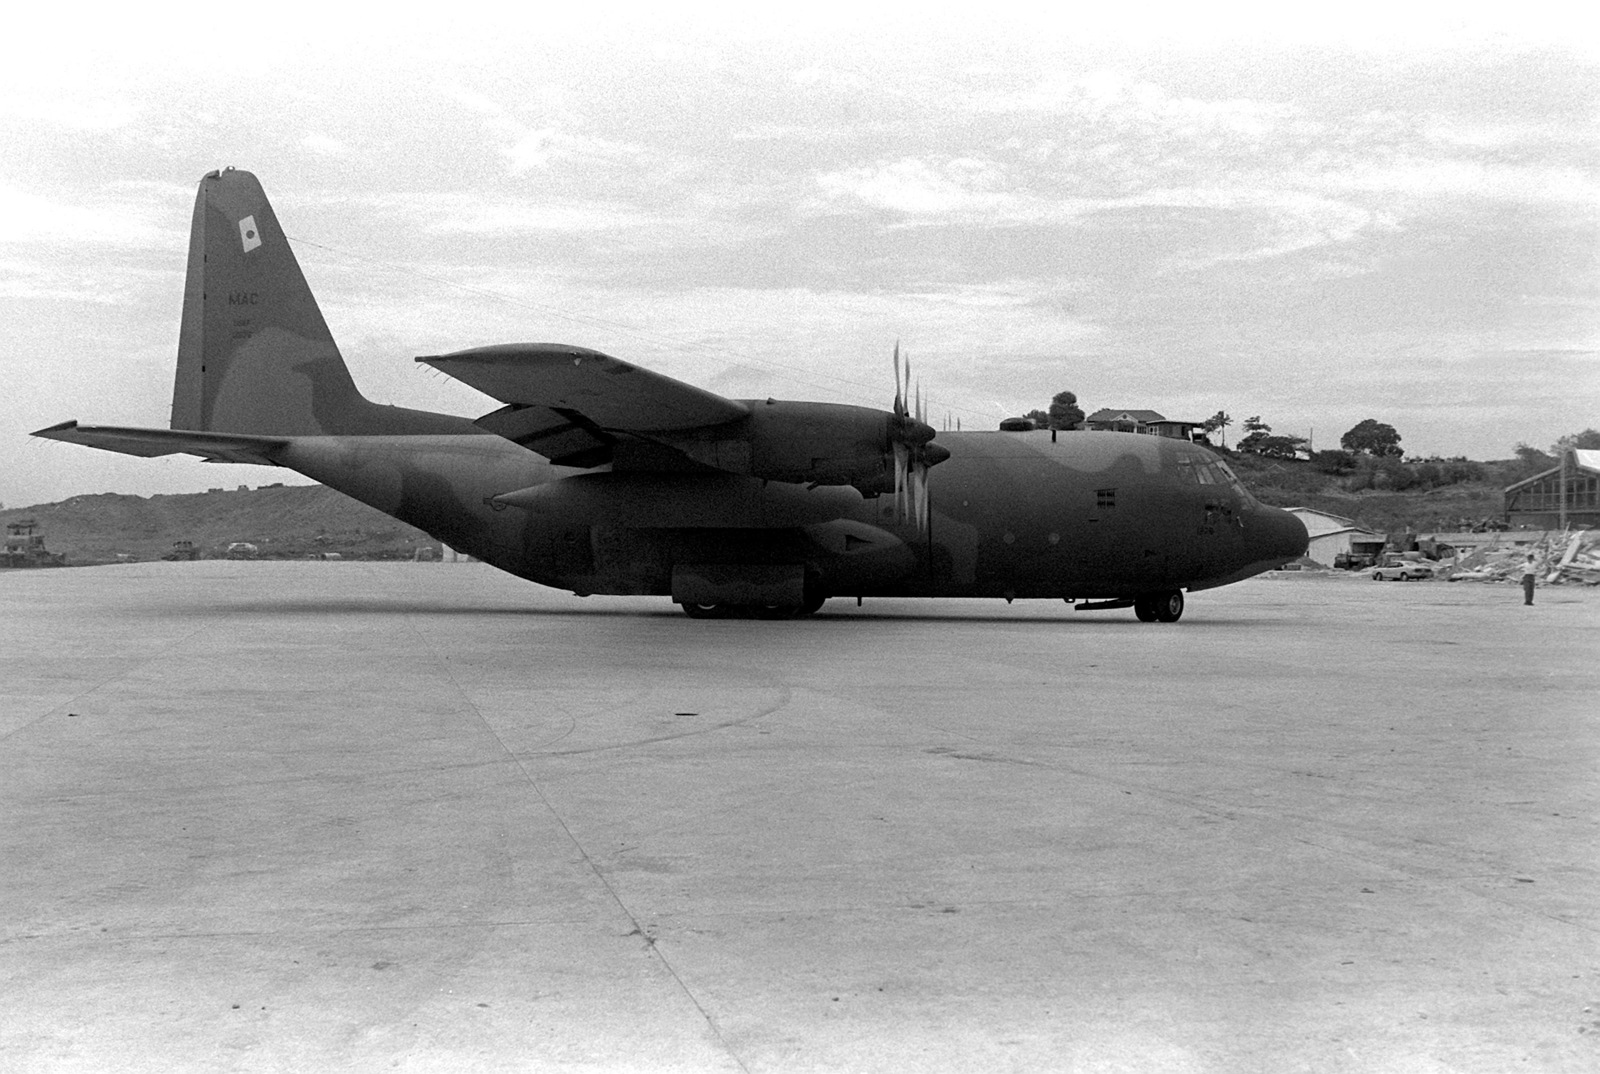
[[971, 192], [1422, 178], [1111, 134], [1282, 222], [88, 280], [484, 214], [959, 187], [76, 112], [29, 218], [526, 147], [1118, 104], [793, 134], [323, 145], [530, 149], [834, 78]]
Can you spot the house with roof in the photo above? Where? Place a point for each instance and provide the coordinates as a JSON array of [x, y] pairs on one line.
[[1110, 419], [1334, 535], [1562, 496]]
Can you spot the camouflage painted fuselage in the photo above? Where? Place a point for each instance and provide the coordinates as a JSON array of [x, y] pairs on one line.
[[602, 477], [1013, 515]]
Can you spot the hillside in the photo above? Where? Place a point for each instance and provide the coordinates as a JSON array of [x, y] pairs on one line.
[[284, 522], [1446, 508]]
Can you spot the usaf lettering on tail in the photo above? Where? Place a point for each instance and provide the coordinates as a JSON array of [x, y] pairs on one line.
[[598, 476]]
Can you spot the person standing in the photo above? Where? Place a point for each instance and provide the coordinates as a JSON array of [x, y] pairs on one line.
[[1529, 575]]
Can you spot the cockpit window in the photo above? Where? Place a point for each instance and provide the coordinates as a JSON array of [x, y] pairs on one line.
[[1200, 471], [1209, 471]]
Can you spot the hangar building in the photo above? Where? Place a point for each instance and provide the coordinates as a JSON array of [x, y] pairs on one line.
[[1571, 490]]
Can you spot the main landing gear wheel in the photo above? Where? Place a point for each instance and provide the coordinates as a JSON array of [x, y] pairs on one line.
[[789, 611], [1164, 607], [812, 603], [748, 611]]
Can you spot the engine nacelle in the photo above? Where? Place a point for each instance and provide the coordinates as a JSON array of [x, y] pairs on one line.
[[811, 443]]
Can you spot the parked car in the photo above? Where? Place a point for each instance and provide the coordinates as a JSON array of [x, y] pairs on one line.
[[1403, 571]]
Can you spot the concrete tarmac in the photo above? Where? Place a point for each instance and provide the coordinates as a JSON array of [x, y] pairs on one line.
[[427, 817]]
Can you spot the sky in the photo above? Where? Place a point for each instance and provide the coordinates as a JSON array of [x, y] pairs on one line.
[[1373, 211]]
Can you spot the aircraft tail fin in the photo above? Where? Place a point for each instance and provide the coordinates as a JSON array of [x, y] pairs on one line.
[[254, 353]]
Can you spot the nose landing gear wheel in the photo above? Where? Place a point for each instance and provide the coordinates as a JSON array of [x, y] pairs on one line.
[[705, 611], [1164, 607]]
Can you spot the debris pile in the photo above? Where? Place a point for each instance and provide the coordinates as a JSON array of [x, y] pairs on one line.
[[1559, 557], [25, 548]]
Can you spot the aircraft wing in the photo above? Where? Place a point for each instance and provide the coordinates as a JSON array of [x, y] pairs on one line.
[[148, 443], [572, 404]]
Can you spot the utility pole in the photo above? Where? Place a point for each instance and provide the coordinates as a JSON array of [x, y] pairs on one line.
[[1565, 451]]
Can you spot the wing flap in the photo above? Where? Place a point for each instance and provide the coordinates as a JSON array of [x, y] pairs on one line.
[[606, 392], [566, 439], [150, 443]]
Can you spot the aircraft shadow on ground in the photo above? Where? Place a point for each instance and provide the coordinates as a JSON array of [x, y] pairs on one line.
[[379, 606]]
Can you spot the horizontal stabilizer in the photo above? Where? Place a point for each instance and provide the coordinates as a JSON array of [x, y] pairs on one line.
[[149, 443], [574, 381]]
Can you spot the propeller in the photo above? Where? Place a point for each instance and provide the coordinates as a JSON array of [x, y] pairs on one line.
[[914, 451]]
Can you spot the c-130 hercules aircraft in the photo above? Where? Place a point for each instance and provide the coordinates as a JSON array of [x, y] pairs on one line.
[[598, 476]]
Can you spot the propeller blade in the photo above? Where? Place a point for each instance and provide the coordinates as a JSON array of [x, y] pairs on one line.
[[905, 394], [901, 464], [910, 437], [899, 400], [919, 497]]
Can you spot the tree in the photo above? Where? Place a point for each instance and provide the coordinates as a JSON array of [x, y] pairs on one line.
[[1040, 418], [1533, 456], [1392, 475], [1064, 412], [1334, 461], [1255, 431], [1280, 447], [1218, 423], [1588, 440], [1530, 461], [1373, 437]]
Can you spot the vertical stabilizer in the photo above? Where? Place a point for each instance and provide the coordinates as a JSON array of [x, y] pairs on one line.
[[254, 354]]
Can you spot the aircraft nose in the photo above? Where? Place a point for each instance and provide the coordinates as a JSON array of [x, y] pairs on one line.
[[1280, 535]]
